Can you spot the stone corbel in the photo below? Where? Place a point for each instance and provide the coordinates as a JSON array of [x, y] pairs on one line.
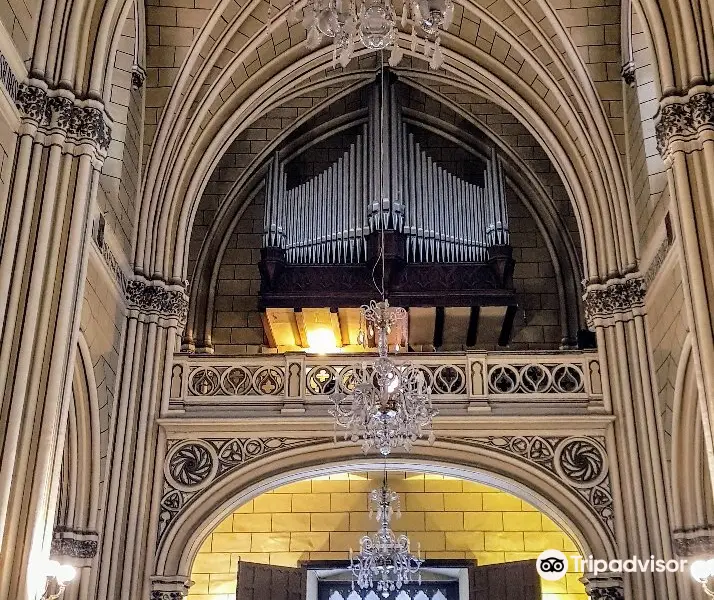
[[172, 587], [616, 300], [604, 586]]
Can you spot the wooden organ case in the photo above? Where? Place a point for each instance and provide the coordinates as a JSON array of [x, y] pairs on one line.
[[446, 240]]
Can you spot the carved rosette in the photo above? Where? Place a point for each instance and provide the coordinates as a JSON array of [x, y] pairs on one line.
[[149, 300], [578, 462], [604, 586], [53, 112], [694, 542], [618, 299], [684, 121]]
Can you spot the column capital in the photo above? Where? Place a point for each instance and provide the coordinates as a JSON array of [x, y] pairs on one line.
[[615, 300], [169, 587], [685, 121], [604, 586], [74, 546], [694, 542], [82, 126], [156, 300]]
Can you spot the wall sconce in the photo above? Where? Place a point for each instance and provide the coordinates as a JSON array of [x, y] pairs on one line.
[[703, 571], [58, 576]]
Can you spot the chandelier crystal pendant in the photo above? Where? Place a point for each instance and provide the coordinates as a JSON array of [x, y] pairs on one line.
[[385, 561], [390, 404], [373, 23]]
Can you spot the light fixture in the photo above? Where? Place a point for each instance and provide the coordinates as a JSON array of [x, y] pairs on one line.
[[703, 571], [389, 405], [57, 578], [321, 340], [373, 23], [385, 561]]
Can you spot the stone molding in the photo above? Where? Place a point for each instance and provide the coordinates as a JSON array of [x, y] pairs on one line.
[[57, 112], [683, 121], [8, 79], [617, 299], [694, 541], [74, 545], [657, 262], [193, 466], [604, 586]]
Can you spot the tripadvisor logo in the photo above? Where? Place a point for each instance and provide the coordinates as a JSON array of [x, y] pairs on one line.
[[552, 565]]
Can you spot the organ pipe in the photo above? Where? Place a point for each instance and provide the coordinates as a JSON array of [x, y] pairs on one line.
[[326, 219]]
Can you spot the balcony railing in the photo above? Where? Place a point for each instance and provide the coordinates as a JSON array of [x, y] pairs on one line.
[[465, 382]]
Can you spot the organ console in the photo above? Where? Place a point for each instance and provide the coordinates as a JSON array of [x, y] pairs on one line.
[[443, 235]]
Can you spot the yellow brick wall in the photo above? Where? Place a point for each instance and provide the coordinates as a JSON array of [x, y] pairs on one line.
[[324, 517]]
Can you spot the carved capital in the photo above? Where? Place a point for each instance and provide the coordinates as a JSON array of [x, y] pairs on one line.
[[684, 121], [157, 300], [169, 587], [604, 586], [74, 546], [628, 73], [59, 113], [617, 299], [694, 542]]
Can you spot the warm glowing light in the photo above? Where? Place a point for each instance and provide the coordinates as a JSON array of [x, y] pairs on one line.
[[65, 574], [702, 570], [321, 340]]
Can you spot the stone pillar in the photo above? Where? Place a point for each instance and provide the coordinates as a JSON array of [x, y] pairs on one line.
[[615, 310], [685, 139], [156, 313], [604, 586], [62, 142]]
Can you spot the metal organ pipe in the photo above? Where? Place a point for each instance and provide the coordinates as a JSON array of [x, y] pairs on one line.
[[327, 218]]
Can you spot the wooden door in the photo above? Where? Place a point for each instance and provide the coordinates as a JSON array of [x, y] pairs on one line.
[[506, 581], [268, 582]]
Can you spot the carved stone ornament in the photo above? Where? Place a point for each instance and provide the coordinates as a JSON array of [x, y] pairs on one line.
[[616, 297], [683, 119], [58, 111], [8, 79], [580, 463], [138, 77], [694, 541], [73, 543], [169, 587], [628, 73], [604, 586], [157, 299]]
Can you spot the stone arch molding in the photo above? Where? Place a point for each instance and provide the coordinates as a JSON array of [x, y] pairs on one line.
[[205, 479], [566, 117]]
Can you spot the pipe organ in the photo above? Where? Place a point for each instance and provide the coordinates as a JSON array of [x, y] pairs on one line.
[[440, 237], [328, 218]]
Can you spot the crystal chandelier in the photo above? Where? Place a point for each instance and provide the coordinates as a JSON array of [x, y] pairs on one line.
[[389, 405], [384, 560], [373, 23]]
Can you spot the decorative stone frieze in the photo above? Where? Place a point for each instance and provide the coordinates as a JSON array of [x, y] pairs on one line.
[[8, 79], [604, 586], [628, 73], [580, 463], [684, 121], [193, 466], [617, 299], [157, 300], [694, 541], [59, 112], [74, 546], [657, 262]]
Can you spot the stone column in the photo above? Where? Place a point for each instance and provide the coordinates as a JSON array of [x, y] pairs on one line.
[[615, 310], [61, 145], [156, 313], [604, 586], [685, 139]]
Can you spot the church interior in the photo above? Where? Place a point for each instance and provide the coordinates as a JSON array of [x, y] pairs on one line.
[[356, 299]]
